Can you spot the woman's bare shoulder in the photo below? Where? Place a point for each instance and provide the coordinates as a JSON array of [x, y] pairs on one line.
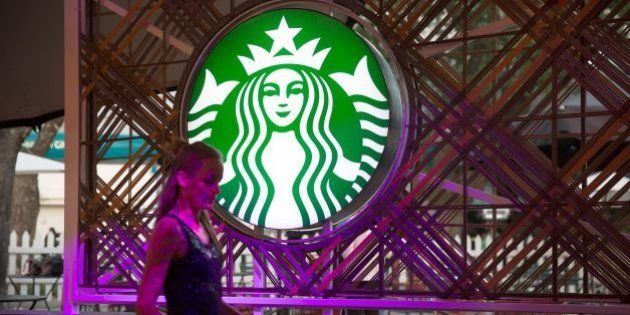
[[168, 228]]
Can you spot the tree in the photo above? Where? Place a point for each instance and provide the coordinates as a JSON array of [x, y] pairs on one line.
[[25, 200], [10, 142], [19, 195]]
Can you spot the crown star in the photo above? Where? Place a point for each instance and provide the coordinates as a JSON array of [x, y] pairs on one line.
[[283, 39]]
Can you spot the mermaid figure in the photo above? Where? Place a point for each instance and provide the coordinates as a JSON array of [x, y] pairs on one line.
[[284, 149]]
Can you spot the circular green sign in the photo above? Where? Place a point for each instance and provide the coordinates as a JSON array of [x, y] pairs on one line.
[[298, 105]]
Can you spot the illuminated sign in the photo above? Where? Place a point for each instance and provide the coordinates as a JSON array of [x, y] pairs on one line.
[[299, 107]]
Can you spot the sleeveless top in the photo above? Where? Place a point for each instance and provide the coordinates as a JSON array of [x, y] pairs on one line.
[[193, 282]]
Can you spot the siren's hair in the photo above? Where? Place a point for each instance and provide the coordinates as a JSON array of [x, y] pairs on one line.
[[255, 189], [189, 158]]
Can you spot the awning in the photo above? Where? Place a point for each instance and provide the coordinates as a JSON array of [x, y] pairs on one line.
[[32, 164], [31, 66]]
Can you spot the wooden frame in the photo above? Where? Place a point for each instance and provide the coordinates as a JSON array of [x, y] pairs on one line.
[[489, 79]]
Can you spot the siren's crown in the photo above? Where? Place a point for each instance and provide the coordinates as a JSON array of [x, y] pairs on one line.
[[283, 41]]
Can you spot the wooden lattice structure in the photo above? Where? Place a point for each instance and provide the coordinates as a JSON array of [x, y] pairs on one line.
[[523, 99]]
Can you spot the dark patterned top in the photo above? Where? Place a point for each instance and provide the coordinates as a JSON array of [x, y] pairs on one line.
[[193, 282]]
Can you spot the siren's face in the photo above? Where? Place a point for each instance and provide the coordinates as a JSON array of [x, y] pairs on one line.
[[283, 96]]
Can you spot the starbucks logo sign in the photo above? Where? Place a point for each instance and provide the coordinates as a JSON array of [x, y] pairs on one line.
[[299, 107]]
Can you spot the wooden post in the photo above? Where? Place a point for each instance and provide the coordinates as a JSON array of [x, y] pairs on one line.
[[72, 127]]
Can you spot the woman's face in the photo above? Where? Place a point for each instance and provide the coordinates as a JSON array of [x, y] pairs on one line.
[[283, 96], [203, 188]]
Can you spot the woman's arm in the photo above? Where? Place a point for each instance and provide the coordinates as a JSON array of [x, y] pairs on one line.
[[164, 243]]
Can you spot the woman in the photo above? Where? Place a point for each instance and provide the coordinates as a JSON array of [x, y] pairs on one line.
[[184, 256]]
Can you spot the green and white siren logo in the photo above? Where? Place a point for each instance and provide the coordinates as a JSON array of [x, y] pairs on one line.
[[298, 105]]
